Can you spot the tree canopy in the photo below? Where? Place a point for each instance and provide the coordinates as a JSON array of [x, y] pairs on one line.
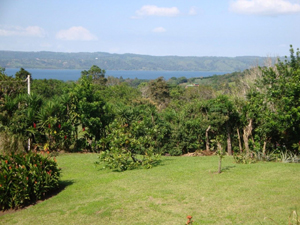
[[255, 112]]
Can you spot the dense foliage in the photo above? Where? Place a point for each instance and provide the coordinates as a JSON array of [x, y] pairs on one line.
[[25, 178], [130, 146], [255, 112]]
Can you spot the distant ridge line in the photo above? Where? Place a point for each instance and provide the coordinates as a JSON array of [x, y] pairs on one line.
[[127, 61]]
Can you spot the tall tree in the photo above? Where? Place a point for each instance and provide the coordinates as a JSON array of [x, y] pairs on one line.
[[277, 97], [222, 116], [159, 92], [10, 86], [97, 74], [22, 74]]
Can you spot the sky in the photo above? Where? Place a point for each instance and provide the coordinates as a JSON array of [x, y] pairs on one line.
[[160, 28]]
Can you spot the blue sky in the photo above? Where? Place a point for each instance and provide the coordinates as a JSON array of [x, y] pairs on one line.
[[164, 27]]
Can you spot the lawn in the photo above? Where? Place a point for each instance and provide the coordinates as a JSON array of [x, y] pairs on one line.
[[261, 193]]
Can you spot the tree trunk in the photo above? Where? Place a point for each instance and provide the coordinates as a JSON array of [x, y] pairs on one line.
[[219, 146], [247, 132], [229, 146], [264, 148], [220, 150], [246, 141], [220, 165], [207, 139], [254, 146], [239, 138]]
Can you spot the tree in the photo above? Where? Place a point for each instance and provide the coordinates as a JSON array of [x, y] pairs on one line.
[[112, 81], [222, 116], [276, 103], [202, 92], [22, 74], [94, 114], [159, 92], [130, 139], [181, 80], [17, 116], [97, 75], [48, 88], [10, 86], [120, 93], [15, 110]]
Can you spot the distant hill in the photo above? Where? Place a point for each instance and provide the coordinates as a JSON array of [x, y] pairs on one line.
[[107, 61]]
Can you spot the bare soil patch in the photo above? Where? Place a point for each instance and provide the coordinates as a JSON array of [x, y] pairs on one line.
[[200, 153]]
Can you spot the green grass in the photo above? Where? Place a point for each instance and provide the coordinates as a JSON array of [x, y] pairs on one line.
[[180, 186]]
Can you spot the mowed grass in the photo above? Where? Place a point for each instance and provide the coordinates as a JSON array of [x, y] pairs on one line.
[[258, 193]]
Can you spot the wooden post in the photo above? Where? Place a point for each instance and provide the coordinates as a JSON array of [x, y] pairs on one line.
[[28, 90]]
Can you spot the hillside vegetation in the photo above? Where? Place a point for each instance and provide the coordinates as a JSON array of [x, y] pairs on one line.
[[107, 61], [253, 112]]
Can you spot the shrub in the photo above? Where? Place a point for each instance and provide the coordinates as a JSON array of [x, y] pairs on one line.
[[289, 157], [175, 151], [25, 178], [244, 158], [130, 146]]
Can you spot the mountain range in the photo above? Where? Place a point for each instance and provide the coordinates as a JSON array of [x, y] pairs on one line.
[[108, 61]]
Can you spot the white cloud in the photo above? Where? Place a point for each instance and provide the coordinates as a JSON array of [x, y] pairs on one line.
[[264, 7], [76, 34], [192, 11], [152, 10], [31, 31], [159, 30]]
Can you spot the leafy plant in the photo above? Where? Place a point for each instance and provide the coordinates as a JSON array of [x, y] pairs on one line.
[[25, 178], [130, 146], [289, 157], [244, 158]]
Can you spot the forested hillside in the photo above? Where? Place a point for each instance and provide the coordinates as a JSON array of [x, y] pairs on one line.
[[58, 60]]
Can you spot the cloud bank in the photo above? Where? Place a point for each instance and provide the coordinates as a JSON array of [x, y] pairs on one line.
[[152, 10], [30, 31], [264, 7], [76, 34]]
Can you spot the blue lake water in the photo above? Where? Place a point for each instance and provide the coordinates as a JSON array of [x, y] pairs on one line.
[[66, 75]]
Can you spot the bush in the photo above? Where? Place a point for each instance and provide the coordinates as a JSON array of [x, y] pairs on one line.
[[290, 157], [129, 146], [25, 178], [244, 158]]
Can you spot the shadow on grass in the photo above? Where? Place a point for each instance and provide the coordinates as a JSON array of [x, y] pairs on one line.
[[164, 161], [61, 186], [227, 168]]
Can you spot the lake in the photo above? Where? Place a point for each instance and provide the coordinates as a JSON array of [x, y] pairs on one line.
[[66, 75]]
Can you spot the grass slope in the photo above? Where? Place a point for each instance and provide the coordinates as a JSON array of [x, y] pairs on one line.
[[166, 194]]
